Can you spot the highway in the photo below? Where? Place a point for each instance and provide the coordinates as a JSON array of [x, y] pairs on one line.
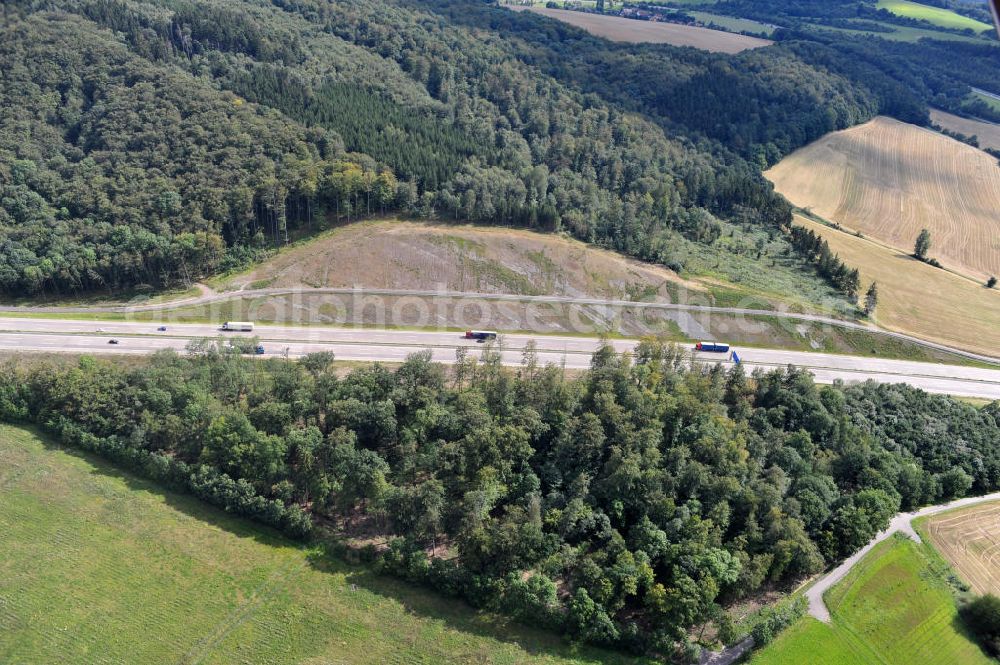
[[54, 335], [208, 296]]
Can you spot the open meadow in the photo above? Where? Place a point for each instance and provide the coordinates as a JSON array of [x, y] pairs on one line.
[[895, 32], [620, 29], [988, 133], [969, 539], [97, 566], [889, 179], [916, 298], [733, 23], [894, 607], [988, 97], [936, 15]]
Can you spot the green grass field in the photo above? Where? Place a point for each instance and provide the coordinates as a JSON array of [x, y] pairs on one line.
[[894, 607], [97, 566], [992, 101], [734, 24], [901, 33], [936, 15]]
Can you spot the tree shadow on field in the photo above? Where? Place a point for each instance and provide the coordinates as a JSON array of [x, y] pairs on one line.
[[415, 600], [460, 616], [184, 503], [962, 628]]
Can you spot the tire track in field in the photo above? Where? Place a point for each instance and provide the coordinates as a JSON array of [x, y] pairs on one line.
[[889, 180], [267, 590], [970, 541]]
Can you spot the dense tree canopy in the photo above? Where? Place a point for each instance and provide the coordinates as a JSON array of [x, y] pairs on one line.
[[168, 139], [621, 506], [151, 142]]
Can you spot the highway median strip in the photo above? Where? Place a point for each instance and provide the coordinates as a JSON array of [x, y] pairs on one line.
[[417, 346]]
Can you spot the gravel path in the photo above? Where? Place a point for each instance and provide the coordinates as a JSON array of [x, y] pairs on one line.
[[728, 655]]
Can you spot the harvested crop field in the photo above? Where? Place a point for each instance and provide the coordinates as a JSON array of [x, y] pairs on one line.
[[98, 566], [919, 299], [969, 539], [889, 179], [987, 132], [634, 31], [406, 255]]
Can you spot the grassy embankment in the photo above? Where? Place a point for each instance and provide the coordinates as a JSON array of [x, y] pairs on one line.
[[898, 33], [991, 101], [895, 607], [97, 566]]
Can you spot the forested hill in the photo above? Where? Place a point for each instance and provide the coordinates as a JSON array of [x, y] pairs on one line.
[[154, 142]]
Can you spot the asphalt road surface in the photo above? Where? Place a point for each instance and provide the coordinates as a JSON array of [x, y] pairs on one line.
[[208, 296], [53, 335]]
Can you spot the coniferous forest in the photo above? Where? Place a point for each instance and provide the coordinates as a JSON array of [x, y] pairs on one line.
[[153, 142], [620, 507]]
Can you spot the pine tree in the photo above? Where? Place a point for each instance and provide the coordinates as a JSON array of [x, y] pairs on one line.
[[853, 283], [922, 245], [871, 299]]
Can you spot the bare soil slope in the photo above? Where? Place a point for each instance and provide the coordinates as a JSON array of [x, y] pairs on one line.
[[408, 255], [987, 132], [620, 29], [918, 299], [889, 179]]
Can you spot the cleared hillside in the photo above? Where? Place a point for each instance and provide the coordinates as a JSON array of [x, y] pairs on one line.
[[404, 255], [919, 299], [97, 566], [889, 179], [988, 133], [633, 31]]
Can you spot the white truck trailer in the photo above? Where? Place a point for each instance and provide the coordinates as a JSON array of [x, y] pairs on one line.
[[237, 326]]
